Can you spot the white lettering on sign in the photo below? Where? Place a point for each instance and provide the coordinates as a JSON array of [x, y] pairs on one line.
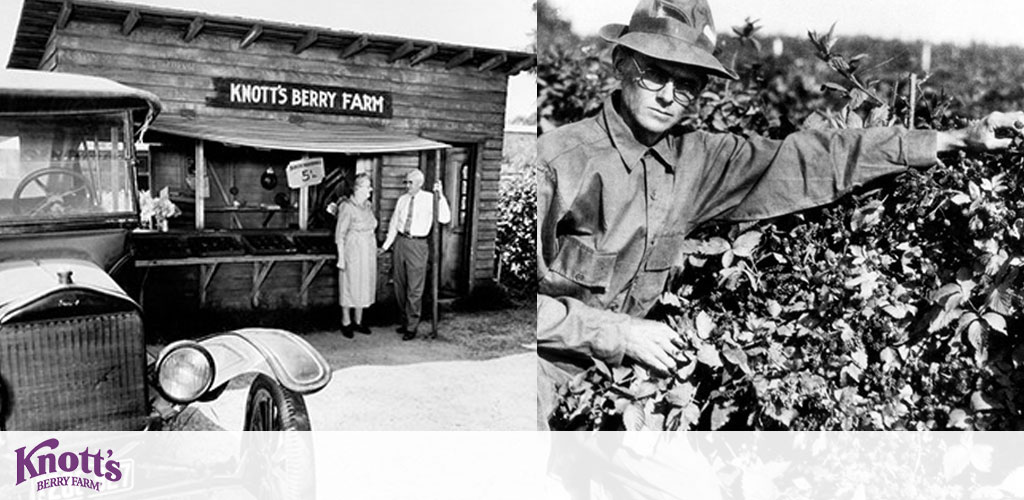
[[305, 172], [311, 98], [245, 93], [362, 102], [271, 95]]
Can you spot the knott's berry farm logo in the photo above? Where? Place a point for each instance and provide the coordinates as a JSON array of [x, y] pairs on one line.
[[86, 469]]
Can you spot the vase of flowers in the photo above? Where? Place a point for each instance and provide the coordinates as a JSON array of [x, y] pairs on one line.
[[156, 211]]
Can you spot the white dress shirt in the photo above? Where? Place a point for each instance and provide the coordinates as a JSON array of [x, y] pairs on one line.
[[422, 208]]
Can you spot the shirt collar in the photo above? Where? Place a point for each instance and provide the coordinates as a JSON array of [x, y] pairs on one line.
[[630, 150]]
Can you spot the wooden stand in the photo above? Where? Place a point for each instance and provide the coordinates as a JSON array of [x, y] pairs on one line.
[[261, 266]]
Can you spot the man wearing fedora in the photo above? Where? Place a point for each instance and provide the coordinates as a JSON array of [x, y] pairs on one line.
[[620, 191]]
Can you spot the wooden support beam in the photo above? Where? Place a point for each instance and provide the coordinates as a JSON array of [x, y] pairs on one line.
[[254, 33], [194, 28], [355, 47], [200, 196], [493, 62], [64, 16], [435, 248], [131, 21], [224, 195], [260, 270], [206, 272], [309, 272], [307, 41], [523, 65], [424, 54], [402, 51], [459, 59]]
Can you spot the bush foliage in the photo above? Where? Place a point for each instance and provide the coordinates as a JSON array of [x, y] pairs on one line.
[[517, 231], [896, 308]]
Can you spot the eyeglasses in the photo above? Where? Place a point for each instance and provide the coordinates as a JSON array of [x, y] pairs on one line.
[[684, 90]]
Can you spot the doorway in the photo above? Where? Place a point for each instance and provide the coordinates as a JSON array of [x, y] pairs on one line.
[[457, 173]]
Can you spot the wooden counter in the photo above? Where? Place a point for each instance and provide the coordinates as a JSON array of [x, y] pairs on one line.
[[261, 266]]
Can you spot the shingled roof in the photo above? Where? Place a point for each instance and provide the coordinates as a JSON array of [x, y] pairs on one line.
[[39, 18]]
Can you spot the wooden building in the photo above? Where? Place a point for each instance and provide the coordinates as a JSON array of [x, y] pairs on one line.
[[245, 98]]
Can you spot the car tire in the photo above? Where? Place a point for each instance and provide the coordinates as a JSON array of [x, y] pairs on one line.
[[276, 465], [271, 407]]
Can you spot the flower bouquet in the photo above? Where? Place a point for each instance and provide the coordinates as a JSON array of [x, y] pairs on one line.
[[155, 211]]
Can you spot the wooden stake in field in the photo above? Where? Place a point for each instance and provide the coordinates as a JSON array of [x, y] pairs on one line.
[[913, 99]]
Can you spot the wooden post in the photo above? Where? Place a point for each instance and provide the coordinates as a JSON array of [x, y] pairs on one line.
[[913, 100], [304, 208], [200, 195], [435, 239], [304, 204]]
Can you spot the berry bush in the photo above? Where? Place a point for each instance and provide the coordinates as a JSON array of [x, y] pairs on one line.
[[897, 308]]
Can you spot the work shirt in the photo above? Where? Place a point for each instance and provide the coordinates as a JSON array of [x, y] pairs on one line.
[[613, 213], [422, 208]]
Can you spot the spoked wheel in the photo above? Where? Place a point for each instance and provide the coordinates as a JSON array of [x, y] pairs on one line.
[[271, 407], [54, 198], [277, 464]]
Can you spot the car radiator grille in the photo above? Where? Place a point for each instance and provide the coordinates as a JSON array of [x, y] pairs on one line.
[[82, 373]]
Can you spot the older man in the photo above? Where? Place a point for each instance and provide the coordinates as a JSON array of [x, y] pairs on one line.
[[619, 192], [408, 231]]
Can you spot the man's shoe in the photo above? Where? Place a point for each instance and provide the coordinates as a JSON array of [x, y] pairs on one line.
[[409, 335], [431, 335], [346, 330], [361, 328], [402, 330]]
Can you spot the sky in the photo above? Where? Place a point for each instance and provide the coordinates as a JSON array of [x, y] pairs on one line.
[[998, 22], [501, 24]]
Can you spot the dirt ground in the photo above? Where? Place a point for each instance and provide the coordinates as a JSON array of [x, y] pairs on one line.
[[479, 374]]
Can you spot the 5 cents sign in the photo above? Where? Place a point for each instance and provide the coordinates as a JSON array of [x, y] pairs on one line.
[[305, 172], [282, 96]]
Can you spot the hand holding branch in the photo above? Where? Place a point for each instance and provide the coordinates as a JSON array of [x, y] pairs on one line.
[[652, 344], [980, 135]]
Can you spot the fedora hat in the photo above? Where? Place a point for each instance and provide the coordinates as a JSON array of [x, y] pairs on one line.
[[679, 31]]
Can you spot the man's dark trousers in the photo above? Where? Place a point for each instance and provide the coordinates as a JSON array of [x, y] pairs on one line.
[[410, 272]]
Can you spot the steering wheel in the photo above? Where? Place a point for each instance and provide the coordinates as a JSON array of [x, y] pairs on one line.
[[56, 198]]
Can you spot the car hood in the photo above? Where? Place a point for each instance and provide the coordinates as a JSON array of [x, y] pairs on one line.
[[27, 282]]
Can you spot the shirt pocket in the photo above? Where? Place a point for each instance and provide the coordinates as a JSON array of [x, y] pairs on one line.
[[665, 253], [650, 282], [582, 264]]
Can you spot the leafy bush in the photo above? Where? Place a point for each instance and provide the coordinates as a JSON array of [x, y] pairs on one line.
[[517, 230], [896, 308]]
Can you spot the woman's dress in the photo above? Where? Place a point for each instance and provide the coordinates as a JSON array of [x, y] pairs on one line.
[[357, 244]]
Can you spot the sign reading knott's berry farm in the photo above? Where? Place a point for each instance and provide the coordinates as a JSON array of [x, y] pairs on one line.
[[55, 468], [282, 96]]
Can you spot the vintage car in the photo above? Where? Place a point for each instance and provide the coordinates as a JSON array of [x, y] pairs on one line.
[[73, 354]]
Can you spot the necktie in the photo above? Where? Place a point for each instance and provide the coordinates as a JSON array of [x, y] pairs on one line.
[[408, 217]]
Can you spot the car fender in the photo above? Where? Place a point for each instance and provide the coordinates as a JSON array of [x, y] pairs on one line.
[[277, 353]]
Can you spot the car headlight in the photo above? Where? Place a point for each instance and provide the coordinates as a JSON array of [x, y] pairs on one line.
[[184, 371]]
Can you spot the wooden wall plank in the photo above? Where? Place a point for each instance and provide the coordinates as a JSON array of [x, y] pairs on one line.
[[166, 44]]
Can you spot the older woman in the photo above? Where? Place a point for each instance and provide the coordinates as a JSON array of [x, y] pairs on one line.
[[357, 256]]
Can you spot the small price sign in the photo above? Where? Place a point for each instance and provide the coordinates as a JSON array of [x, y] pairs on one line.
[[305, 172]]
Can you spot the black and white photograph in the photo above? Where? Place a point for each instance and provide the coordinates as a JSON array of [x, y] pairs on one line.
[[780, 215], [303, 215]]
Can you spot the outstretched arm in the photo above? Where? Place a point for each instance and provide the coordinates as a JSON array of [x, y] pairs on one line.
[[981, 135]]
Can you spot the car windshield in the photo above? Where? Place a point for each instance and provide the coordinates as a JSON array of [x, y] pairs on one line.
[[56, 168]]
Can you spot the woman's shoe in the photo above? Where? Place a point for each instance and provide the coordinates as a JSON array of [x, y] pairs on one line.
[[346, 330], [361, 328]]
